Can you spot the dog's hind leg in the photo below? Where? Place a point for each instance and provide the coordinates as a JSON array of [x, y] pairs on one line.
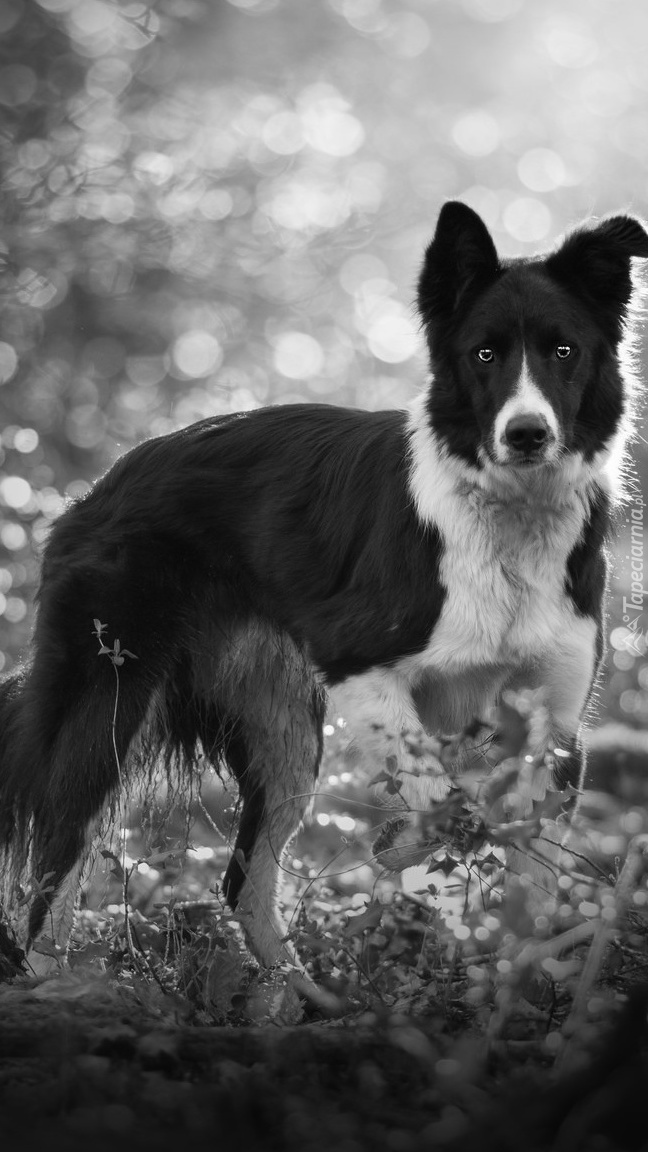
[[274, 750]]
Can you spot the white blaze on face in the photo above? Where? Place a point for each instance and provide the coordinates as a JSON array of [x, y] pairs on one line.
[[527, 400]]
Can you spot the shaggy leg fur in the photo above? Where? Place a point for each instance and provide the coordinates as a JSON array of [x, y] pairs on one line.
[[274, 747]]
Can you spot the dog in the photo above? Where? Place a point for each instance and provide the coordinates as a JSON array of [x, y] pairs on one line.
[[426, 560]]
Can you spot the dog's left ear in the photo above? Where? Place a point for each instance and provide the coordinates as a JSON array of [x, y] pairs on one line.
[[596, 261]]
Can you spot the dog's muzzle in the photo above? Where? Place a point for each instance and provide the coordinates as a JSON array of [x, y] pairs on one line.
[[527, 438]]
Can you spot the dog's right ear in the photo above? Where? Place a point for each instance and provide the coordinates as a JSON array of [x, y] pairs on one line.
[[460, 260]]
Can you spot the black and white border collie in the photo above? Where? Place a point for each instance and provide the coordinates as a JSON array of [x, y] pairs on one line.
[[426, 560]]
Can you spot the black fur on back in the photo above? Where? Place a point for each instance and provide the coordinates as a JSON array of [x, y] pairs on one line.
[[300, 516]]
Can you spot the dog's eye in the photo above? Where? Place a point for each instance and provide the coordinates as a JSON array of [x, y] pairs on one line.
[[563, 351], [486, 355]]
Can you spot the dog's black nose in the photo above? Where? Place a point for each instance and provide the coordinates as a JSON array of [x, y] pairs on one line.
[[528, 434]]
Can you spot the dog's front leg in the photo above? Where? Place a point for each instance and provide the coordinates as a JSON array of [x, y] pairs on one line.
[[555, 762]]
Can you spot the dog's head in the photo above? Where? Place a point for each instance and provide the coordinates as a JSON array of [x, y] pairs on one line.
[[524, 353]]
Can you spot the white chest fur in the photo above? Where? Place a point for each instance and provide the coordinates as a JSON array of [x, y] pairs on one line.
[[506, 539], [503, 567]]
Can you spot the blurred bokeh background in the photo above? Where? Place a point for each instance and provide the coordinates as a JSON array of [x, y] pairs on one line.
[[209, 205]]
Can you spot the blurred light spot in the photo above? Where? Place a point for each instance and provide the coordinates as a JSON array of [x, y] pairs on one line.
[[357, 269], [632, 821], [327, 125], [323, 819], [541, 170], [624, 660], [15, 609], [51, 502], [6, 580], [85, 426], [117, 207], [629, 642], [391, 336], [363, 15], [34, 154], [476, 133], [346, 777], [527, 219], [344, 823], [612, 845], [90, 17], [13, 536], [588, 908], [328, 729], [365, 184], [254, 5], [605, 93], [203, 852], [26, 440], [196, 404], [153, 166], [409, 35], [630, 700], [145, 371], [333, 780], [15, 492], [18, 84], [301, 205], [108, 75], [40, 291], [216, 205], [283, 133], [180, 202], [77, 488], [8, 361], [10, 13], [297, 355], [197, 353], [492, 11], [569, 42]]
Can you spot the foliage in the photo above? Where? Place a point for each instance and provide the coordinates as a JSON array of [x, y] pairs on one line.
[[441, 1007]]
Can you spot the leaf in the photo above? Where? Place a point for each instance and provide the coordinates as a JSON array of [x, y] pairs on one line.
[[447, 865], [45, 946], [382, 778], [365, 921], [132, 655], [162, 857], [118, 870], [394, 786], [42, 887]]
